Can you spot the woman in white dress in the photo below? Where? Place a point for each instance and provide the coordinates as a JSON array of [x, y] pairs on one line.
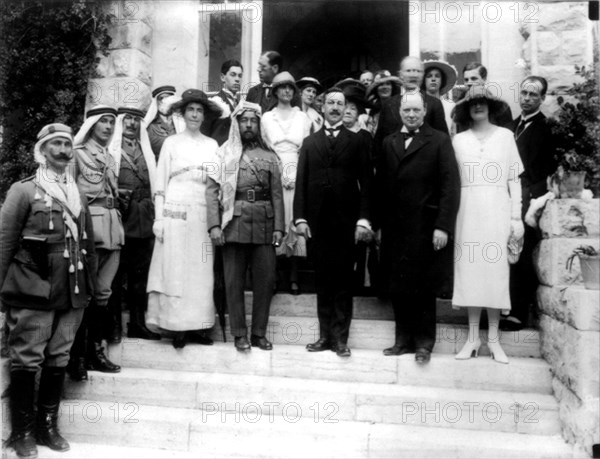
[[180, 282], [284, 129], [490, 210], [310, 88]]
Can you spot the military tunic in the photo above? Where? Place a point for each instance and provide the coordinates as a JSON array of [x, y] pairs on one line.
[[44, 299], [249, 235]]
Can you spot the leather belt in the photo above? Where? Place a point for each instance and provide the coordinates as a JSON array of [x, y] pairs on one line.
[[253, 195], [108, 202]]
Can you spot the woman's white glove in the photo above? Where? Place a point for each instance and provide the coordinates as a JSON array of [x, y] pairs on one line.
[[159, 230], [517, 229]]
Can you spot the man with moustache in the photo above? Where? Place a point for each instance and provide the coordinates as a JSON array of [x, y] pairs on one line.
[[331, 210], [137, 170], [47, 267], [537, 148], [159, 118], [246, 218], [227, 98], [97, 178], [270, 64], [411, 76], [417, 199]]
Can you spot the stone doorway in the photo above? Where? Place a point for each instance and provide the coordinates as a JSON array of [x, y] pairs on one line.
[[332, 40]]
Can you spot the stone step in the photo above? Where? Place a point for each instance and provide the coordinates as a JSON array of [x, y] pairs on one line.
[[100, 451], [197, 432], [482, 373], [222, 396], [379, 334]]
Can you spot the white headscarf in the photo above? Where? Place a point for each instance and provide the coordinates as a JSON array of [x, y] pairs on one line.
[[92, 117], [168, 101], [229, 155], [48, 179], [115, 148]]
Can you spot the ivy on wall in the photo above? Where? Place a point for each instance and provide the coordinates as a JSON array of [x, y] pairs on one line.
[[47, 52]]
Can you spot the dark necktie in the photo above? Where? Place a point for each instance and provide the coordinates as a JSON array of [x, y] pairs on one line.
[[520, 128], [331, 131]]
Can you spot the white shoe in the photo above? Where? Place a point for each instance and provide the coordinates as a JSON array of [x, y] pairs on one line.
[[497, 353], [470, 348]]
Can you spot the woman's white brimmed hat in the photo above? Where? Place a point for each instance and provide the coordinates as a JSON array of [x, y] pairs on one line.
[[448, 70]]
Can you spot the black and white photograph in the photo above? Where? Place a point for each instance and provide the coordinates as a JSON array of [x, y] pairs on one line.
[[300, 229]]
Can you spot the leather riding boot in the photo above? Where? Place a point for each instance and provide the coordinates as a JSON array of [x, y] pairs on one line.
[[136, 328], [22, 438], [51, 385], [97, 360], [76, 369]]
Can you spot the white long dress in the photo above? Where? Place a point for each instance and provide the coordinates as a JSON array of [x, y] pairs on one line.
[[490, 195], [180, 282], [285, 137]]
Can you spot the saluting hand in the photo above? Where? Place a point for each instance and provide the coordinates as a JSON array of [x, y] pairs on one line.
[[217, 236]]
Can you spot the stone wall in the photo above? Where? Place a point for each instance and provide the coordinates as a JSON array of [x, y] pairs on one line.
[[570, 317], [557, 38], [124, 77]]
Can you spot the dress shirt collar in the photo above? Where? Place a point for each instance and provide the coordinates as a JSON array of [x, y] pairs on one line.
[[528, 118], [337, 125]]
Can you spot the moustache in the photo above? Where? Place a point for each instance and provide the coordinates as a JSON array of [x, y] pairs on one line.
[[335, 112]]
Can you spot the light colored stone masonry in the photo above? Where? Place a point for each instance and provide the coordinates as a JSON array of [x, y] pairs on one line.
[[570, 318]]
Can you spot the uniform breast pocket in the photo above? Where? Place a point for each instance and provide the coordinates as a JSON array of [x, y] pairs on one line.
[[23, 279]]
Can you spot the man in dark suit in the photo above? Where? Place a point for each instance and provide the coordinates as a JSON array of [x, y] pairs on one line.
[[269, 65], [417, 199], [331, 210], [227, 98], [537, 149], [411, 75]]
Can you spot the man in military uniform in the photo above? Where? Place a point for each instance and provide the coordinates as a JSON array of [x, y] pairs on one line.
[[137, 170], [96, 174], [245, 215], [159, 118], [47, 266]]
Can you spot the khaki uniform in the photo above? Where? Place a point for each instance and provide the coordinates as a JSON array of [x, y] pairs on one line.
[[43, 299], [258, 212]]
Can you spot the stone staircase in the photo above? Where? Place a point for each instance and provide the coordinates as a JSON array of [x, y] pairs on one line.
[[207, 401]]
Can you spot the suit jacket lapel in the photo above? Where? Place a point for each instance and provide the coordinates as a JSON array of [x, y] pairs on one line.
[[321, 143], [419, 141], [340, 144]]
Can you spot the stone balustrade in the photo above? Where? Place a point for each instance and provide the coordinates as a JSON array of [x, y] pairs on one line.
[[570, 317]]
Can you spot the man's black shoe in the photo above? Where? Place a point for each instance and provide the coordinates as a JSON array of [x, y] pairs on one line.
[[195, 336], [320, 345], [76, 369], [99, 362], [116, 335], [261, 342], [423, 356], [241, 343], [342, 350], [511, 325], [396, 349], [140, 331]]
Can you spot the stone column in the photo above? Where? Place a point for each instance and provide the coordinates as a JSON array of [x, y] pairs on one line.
[[570, 317], [124, 77]]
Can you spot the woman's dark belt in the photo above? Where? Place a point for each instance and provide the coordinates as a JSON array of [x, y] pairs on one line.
[[253, 195]]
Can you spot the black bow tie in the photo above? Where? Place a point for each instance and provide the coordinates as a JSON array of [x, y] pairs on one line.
[[332, 130], [409, 134]]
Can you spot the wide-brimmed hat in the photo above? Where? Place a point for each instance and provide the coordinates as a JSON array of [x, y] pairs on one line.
[[347, 82], [356, 95], [448, 70], [195, 95], [309, 81], [372, 89], [283, 78], [477, 93]]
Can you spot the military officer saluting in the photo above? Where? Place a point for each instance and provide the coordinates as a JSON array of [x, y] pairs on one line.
[[47, 268], [245, 215]]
